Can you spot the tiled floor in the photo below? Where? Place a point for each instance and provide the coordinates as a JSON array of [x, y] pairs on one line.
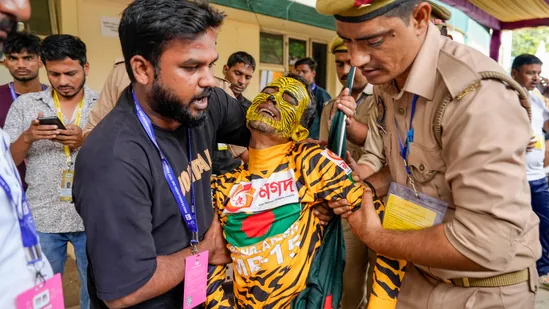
[[71, 288]]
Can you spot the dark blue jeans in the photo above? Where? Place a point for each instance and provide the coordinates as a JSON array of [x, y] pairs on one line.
[[54, 246], [540, 203]]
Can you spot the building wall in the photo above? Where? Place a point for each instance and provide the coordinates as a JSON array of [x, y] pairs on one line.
[[240, 31]]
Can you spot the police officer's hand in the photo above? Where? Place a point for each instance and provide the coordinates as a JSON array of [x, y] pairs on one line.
[[346, 103], [71, 137], [365, 222], [37, 132], [216, 244], [324, 213]]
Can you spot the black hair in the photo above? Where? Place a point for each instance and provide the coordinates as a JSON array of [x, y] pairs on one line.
[[308, 61], [404, 11], [18, 42], [309, 114], [241, 57], [148, 25], [61, 46], [525, 59]]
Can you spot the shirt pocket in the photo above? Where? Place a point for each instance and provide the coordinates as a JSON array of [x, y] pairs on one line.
[[425, 163]]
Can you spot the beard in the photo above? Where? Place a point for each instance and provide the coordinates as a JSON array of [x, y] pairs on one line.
[[167, 104], [70, 96], [261, 127]]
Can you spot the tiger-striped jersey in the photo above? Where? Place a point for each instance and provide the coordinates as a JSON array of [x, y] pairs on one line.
[[266, 212]]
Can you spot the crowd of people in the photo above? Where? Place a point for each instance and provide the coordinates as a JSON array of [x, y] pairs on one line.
[[170, 174]]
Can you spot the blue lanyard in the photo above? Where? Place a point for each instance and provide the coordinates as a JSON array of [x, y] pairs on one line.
[[29, 236], [14, 95], [189, 215], [405, 147]]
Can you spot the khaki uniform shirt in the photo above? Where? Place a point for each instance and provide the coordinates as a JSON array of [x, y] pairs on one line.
[[480, 170], [366, 112], [116, 82]]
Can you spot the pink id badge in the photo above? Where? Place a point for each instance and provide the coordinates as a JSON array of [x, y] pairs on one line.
[[196, 279], [47, 295]]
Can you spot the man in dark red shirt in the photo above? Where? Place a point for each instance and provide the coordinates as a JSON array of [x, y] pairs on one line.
[[23, 62]]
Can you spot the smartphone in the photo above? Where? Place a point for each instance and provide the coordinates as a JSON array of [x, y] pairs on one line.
[[53, 120]]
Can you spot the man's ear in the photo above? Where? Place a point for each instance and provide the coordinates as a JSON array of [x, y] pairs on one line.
[[86, 69], [421, 16], [300, 133], [143, 70], [225, 69], [514, 73]]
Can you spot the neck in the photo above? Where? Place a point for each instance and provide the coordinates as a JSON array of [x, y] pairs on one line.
[[22, 87], [356, 93], [263, 141], [158, 120]]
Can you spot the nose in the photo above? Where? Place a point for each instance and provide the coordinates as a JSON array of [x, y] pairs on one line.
[[359, 57], [272, 99], [64, 80], [241, 80], [207, 80], [20, 9]]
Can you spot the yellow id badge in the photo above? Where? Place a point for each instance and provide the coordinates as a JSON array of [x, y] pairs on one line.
[[540, 140], [405, 211], [65, 194], [222, 147]]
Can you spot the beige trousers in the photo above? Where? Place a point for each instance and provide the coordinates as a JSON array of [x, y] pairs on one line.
[[422, 292]]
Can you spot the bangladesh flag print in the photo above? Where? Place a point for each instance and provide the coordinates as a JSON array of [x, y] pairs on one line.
[[246, 229]]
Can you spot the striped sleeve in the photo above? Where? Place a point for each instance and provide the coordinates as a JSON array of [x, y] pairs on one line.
[[328, 177]]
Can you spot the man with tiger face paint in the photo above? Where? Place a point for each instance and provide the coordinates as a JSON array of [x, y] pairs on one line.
[[266, 207]]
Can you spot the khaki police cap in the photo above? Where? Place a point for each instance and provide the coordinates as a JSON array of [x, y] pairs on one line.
[[337, 46], [440, 12], [356, 11]]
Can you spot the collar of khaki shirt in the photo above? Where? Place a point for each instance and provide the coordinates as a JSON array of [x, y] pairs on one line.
[[368, 91]]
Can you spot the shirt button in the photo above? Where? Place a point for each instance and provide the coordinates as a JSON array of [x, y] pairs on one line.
[[421, 167], [401, 111]]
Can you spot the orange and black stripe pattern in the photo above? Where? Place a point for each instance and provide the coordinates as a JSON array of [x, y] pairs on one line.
[[281, 276]]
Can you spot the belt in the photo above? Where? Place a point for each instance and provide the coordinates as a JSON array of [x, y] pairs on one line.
[[490, 282], [496, 281]]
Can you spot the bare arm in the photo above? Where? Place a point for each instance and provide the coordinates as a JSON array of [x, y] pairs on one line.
[[356, 132], [381, 181], [20, 148], [170, 271]]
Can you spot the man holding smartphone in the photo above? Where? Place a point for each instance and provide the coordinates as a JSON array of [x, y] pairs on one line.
[[526, 70], [51, 150]]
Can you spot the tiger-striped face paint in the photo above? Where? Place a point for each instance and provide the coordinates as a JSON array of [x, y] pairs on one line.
[[278, 109]]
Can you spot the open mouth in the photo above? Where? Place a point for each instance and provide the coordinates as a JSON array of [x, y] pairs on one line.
[[267, 111], [201, 103]]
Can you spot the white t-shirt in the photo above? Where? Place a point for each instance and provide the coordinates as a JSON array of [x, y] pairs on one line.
[[15, 277], [534, 158]]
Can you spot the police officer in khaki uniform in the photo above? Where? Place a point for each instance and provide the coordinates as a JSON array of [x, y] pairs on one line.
[[115, 83], [483, 254]]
